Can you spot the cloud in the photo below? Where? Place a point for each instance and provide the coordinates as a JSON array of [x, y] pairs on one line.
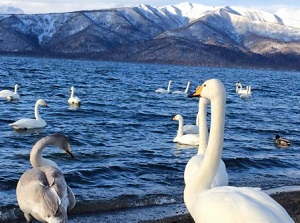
[[8, 9]]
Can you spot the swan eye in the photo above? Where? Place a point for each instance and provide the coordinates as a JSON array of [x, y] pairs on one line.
[[204, 85]]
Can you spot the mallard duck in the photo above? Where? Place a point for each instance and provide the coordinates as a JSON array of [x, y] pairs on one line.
[[281, 142]]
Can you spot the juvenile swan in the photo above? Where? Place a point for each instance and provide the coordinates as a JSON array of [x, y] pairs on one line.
[[225, 204], [73, 100], [42, 192], [28, 123], [10, 95]]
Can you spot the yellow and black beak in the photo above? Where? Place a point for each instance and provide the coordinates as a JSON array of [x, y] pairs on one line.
[[197, 93]]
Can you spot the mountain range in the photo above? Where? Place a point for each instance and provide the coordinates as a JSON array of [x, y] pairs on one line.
[[188, 34]]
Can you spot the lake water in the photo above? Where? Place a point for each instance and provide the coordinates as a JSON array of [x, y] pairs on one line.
[[122, 134]]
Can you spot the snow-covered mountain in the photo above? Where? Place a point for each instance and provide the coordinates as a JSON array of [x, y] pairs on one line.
[[184, 33]]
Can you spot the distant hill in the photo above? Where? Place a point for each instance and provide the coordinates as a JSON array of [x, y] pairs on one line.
[[189, 34]]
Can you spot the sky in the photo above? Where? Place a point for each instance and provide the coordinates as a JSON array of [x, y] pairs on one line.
[[287, 8]]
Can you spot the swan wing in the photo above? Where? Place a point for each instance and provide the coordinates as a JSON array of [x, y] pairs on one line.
[[190, 129], [6, 93], [40, 192], [27, 123], [189, 139]]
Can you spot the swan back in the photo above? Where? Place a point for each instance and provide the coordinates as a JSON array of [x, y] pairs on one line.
[[162, 90]]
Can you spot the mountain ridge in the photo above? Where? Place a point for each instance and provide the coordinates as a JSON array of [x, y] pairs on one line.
[[178, 34]]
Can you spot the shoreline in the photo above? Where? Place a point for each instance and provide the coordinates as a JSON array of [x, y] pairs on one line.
[[177, 213], [289, 200]]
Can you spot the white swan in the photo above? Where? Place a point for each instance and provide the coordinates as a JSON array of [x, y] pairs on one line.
[[186, 129], [27, 123], [42, 192], [246, 93], [185, 91], [184, 139], [73, 100], [162, 90], [221, 178], [10, 95], [225, 204], [239, 89]]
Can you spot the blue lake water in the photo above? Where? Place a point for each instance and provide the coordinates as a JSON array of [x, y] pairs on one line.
[[122, 134]]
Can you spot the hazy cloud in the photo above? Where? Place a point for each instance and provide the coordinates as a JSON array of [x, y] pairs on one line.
[[8, 9]]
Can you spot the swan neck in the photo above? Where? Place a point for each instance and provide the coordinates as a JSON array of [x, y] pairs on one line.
[[16, 89], [36, 158], [203, 132], [180, 127], [209, 167], [169, 86], [72, 92], [187, 87], [36, 112]]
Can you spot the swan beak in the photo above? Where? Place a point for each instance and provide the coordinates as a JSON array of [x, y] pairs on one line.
[[69, 152], [197, 93]]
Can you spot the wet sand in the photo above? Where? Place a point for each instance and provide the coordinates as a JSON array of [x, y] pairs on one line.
[[289, 200]]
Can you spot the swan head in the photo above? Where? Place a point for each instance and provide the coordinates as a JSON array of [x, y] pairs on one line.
[[177, 117], [62, 142], [41, 102], [72, 88], [210, 89], [16, 87]]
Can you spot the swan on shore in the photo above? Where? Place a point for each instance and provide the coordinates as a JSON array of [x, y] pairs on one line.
[[42, 192], [10, 95], [282, 142], [162, 90], [28, 123], [185, 91], [73, 100], [221, 178], [226, 204]]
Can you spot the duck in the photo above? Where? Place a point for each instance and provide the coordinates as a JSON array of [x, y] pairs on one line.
[[282, 142], [226, 204], [184, 139], [27, 123], [185, 91], [221, 178], [10, 95], [42, 192], [73, 100], [162, 90], [187, 129]]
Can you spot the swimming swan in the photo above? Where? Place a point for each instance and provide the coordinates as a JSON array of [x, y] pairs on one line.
[[162, 90], [10, 95], [187, 129], [73, 100], [184, 139], [221, 178], [185, 91], [27, 123], [239, 89], [42, 192], [246, 94], [225, 204]]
